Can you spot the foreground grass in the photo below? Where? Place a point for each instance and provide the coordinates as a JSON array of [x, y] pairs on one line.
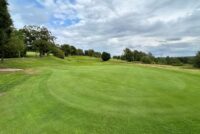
[[81, 95]]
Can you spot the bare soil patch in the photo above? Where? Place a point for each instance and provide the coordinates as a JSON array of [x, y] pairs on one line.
[[2, 94], [10, 69]]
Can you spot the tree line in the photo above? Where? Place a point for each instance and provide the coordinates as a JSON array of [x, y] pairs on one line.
[[136, 56], [148, 58], [40, 40], [70, 50]]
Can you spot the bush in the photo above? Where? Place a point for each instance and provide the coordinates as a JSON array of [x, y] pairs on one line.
[[176, 62], [105, 56], [146, 60], [58, 53]]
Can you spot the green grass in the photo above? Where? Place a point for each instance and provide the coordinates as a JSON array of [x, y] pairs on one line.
[[82, 95]]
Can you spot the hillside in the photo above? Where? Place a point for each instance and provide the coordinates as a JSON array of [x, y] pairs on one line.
[[82, 95]]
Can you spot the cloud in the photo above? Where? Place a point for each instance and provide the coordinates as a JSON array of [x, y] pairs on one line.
[[175, 49], [167, 27]]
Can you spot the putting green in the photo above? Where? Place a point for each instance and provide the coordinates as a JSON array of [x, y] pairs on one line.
[[81, 95]]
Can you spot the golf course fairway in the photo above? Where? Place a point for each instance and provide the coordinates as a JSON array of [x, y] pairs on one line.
[[83, 95]]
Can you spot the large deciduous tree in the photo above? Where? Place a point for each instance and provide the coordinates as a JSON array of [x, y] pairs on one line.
[[42, 46], [35, 34], [5, 26]]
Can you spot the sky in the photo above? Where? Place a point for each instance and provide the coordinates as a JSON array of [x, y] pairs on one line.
[[162, 27]]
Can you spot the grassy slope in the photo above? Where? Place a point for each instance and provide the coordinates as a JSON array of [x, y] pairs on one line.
[[81, 95]]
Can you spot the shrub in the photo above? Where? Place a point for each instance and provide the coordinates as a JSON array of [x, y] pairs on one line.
[[176, 62], [58, 53], [146, 60], [105, 56]]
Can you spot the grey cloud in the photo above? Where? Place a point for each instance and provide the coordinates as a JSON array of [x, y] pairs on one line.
[[173, 39], [177, 49]]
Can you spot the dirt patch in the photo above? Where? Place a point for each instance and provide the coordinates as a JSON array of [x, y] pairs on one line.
[[10, 70], [2, 94]]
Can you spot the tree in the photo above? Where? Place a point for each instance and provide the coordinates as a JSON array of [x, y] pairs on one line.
[[31, 34], [86, 53], [72, 50], [79, 52], [128, 55], [66, 49], [42, 46], [38, 39], [105, 56], [97, 54], [137, 55], [160, 60], [34, 33], [5, 26], [15, 46], [91, 52], [176, 62], [168, 60], [197, 60], [117, 57]]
